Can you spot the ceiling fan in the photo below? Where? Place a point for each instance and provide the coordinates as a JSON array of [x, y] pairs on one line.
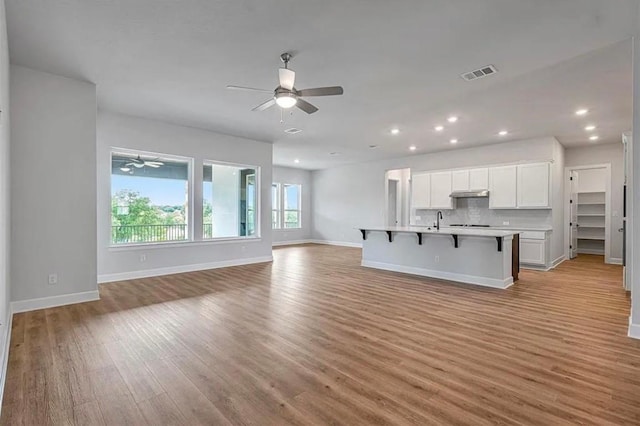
[[286, 95], [139, 163]]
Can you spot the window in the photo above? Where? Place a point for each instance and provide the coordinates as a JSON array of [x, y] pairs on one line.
[[149, 198], [229, 201], [286, 203]]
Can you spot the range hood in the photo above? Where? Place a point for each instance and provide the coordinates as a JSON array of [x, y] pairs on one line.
[[470, 194]]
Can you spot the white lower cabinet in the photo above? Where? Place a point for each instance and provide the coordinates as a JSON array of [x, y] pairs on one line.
[[534, 248], [532, 252]]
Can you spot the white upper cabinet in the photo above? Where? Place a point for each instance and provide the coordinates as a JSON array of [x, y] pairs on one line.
[[421, 191], [440, 190], [479, 179], [524, 186], [533, 185], [502, 187], [460, 180]]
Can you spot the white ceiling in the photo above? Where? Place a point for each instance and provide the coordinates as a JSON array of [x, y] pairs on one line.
[[398, 61]]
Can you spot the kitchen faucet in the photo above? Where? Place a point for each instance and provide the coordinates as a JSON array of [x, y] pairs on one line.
[[438, 218]]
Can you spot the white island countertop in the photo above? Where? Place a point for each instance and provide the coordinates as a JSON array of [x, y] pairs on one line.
[[462, 231]]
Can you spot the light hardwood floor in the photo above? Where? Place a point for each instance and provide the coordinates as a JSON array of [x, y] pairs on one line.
[[316, 339]]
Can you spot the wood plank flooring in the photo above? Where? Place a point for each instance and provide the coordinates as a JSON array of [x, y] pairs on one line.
[[316, 339]]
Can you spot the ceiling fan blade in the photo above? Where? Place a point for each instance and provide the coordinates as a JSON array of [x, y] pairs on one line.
[[287, 78], [252, 89], [266, 104], [306, 106], [154, 163], [322, 91], [155, 166]]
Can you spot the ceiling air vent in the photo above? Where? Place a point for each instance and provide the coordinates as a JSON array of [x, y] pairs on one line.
[[479, 73], [292, 131]]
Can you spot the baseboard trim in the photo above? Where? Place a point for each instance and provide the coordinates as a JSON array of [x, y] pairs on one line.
[[449, 276], [591, 251], [615, 261], [6, 339], [337, 243], [558, 261], [53, 301], [290, 243], [146, 273], [634, 330]]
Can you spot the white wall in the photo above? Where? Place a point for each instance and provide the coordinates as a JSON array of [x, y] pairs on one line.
[[115, 130], [634, 193], [303, 178], [5, 209], [53, 194], [346, 198], [603, 154]]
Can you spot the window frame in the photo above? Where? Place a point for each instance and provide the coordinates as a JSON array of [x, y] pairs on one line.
[[190, 194], [281, 209], [278, 207], [257, 213]]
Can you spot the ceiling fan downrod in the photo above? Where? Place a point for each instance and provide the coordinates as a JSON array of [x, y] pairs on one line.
[[286, 57]]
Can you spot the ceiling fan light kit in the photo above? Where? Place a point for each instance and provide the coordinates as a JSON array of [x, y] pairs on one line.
[[286, 100], [286, 95]]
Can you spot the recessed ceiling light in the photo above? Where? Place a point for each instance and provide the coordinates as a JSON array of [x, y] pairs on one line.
[[452, 119], [454, 141], [296, 161], [439, 128], [373, 146], [582, 111], [334, 153], [594, 138], [590, 128], [503, 133], [395, 131], [413, 148]]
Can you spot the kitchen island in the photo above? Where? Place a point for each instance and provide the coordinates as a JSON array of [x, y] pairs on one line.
[[486, 257]]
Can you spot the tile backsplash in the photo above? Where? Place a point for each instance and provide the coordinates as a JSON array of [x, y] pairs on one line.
[[475, 211]]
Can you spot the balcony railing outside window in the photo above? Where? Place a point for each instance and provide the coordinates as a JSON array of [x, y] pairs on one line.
[[207, 230], [148, 233]]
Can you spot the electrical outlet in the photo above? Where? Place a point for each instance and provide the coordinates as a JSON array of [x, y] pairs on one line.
[[143, 258], [437, 259], [53, 279], [506, 223]]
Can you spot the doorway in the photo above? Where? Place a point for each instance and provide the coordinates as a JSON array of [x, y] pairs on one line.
[[588, 212], [397, 197]]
